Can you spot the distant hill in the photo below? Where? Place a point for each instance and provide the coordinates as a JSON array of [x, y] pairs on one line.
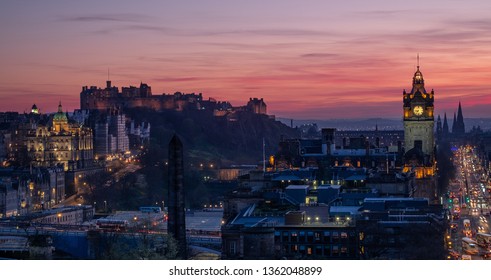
[[209, 143], [214, 139]]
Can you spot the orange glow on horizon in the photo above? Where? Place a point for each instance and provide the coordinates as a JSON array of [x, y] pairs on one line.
[[351, 62]]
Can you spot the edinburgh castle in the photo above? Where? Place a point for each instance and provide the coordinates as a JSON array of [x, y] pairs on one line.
[[93, 98]]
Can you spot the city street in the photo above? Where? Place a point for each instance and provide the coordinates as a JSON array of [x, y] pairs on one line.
[[468, 203]]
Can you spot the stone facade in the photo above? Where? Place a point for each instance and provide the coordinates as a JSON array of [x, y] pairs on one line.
[[103, 99], [60, 143]]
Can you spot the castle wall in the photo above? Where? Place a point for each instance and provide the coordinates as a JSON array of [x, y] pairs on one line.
[[94, 98]]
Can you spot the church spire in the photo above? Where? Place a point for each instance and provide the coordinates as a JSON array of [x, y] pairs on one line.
[[454, 124], [460, 117], [439, 129], [459, 124], [445, 125]]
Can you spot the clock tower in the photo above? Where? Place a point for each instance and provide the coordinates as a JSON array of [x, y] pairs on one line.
[[418, 126]]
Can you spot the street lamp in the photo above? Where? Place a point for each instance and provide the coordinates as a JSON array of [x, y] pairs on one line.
[[105, 206]]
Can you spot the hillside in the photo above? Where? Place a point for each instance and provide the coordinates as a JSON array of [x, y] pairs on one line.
[[211, 142], [214, 139]]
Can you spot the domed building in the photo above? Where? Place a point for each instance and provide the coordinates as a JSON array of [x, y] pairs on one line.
[[60, 120], [34, 109], [61, 143]]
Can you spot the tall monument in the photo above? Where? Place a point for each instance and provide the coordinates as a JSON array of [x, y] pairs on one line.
[[177, 219]]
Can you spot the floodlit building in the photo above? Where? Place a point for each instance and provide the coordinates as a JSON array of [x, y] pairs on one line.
[[60, 142]]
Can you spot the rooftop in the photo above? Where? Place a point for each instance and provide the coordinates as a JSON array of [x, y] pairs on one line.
[[297, 187]]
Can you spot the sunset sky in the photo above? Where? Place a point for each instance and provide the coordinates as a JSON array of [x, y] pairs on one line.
[[313, 59]]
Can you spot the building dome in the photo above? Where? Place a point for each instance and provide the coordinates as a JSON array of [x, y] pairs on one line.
[[60, 116], [34, 109]]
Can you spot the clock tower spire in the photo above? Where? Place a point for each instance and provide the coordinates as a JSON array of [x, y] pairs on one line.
[[419, 126]]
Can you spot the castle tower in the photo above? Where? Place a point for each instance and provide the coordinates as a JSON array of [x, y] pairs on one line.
[[257, 106], [177, 219]]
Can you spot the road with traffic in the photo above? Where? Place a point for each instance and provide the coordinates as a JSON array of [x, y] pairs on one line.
[[468, 205]]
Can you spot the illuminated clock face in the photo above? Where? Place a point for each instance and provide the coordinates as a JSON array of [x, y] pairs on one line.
[[418, 110]]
